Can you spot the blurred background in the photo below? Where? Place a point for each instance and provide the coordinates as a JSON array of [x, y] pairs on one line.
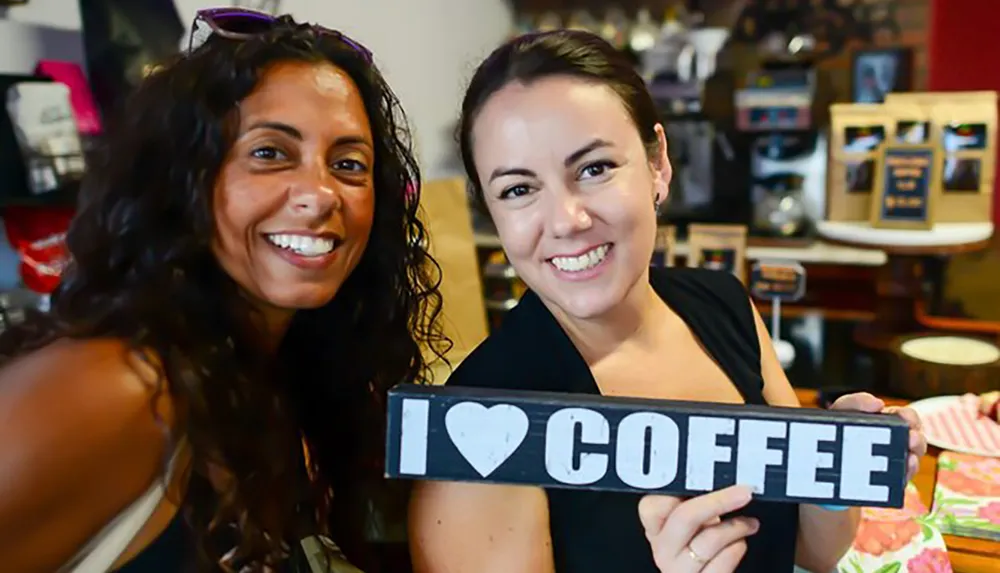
[[778, 113]]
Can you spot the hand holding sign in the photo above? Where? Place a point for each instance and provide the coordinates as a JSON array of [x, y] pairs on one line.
[[865, 402], [691, 536]]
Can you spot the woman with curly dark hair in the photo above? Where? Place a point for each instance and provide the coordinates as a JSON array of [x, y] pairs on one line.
[[248, 278]]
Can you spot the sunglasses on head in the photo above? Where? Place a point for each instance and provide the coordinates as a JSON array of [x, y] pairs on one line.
[[243, 24]]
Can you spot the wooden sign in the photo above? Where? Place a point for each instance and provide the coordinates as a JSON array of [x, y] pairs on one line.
[[663, 250], [782, 280], [718, 247], [573, 441], [904, 198]]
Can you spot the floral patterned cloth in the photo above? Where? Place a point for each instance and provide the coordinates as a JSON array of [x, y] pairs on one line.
[[897, 541], [967, 496]]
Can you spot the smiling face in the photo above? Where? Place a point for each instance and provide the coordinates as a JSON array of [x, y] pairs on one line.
[[570, 188], [294, 201]]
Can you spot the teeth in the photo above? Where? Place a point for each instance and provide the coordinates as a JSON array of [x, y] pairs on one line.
[[303, 245], [587, 260]]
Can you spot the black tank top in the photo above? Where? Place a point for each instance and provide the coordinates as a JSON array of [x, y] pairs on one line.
[[598, 532]]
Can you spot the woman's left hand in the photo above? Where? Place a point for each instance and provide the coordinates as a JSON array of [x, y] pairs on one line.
[[865, 402]]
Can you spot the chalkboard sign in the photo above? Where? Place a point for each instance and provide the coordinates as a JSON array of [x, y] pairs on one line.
[[781, 280], [905, 197], [554, 440]]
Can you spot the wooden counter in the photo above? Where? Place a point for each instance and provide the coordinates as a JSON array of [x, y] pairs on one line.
[[967, 555]]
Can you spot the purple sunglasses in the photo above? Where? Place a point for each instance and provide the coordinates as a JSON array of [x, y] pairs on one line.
[[243, 24]]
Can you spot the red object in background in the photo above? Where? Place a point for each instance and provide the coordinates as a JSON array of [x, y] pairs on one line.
[[38, 235], [964, 45]]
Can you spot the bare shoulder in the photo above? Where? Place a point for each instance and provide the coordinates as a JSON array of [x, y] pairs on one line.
[[479, 528], [97, 384], [84, 432]]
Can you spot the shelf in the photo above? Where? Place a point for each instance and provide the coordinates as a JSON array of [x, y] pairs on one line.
[[501, 305], [495, 271]]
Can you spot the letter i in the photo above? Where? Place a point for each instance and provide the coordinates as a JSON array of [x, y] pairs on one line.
[[413, 436]]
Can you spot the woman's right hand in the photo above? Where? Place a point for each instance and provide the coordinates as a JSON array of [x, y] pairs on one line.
[[690, 536]]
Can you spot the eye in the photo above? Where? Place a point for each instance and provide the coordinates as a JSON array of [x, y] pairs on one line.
[[515, 191], [597, 168], [350, 165], [268, 153]]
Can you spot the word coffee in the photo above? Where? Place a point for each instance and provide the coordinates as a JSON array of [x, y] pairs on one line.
[[796, 455]]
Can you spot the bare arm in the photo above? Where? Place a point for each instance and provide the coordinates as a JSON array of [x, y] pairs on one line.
[[476, 528], [824, 536], [78, 443]]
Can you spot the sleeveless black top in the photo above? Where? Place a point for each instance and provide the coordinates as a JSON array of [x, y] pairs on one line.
[[597, 532]]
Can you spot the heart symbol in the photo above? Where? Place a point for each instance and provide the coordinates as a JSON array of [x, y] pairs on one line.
[[486, 437]]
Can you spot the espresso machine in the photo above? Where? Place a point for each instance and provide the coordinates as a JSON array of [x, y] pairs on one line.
[[678, 69], [781, 110]]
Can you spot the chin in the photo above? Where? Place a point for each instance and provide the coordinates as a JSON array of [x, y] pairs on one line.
[[585, 306], [307, 299]]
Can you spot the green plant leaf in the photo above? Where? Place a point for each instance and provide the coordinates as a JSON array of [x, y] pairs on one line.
[[853, 562], [927, 531], [893, 567]]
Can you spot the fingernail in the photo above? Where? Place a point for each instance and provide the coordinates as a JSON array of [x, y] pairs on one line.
[[744, 493], [754, 525]]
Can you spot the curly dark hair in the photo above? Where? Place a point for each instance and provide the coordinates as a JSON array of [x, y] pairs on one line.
[[142, 271]]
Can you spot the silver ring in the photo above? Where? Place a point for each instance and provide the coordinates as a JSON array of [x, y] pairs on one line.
[[695, 557]]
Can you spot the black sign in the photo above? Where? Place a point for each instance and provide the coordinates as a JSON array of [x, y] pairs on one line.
[[778, 280], [797, 455], [906, 186]]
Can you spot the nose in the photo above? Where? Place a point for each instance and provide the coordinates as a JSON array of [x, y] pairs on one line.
[[569, 214], [316, 194]]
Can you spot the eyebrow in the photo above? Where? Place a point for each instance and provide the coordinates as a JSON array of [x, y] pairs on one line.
[[295, 133], [570, 160]]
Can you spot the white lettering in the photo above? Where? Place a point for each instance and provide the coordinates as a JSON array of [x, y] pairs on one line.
[[703, 450], [559, 446], [413, 437], [804, 458], [753, 454], [857, 463], [630, 455]]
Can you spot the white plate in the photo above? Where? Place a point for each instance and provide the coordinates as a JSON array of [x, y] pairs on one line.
[[928, 406]]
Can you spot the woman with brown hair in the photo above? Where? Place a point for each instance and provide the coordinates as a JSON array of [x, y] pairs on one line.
[[566, 152]]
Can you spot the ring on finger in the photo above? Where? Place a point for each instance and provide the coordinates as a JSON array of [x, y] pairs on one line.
[[695, 557]]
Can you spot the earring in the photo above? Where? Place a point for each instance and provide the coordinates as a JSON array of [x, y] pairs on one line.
[[656, 201]]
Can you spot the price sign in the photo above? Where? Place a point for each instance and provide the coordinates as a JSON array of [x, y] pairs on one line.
[[781, 280], [905, 189]]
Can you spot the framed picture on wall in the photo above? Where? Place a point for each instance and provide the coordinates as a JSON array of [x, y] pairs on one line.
[[877, 72]]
